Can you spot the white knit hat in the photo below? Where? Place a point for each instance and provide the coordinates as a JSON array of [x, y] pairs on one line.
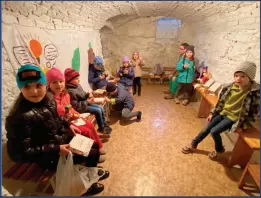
[[248, 68]]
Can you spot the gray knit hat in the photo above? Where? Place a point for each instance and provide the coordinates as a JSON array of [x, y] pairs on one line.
[[248, 68]]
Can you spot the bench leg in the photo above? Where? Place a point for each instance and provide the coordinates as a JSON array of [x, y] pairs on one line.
[[241, 154], [242, 178], [204, 108]]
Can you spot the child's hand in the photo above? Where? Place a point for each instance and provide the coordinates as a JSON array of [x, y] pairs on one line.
[[174, 78], [125, 71], [64, 149], [90, 95], [186, 65], [209, 118], [90, 100], [120, 74], [102, 77], [74, 130], [69, 116]]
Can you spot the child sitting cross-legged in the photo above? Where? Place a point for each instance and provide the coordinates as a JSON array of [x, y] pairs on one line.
[[237, 108], [84, 102], [56, 85]]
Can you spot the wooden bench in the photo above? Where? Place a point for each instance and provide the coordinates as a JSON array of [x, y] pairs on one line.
[[31, 172], [247, 142], [161, 78], [254, 171], [207, 102]]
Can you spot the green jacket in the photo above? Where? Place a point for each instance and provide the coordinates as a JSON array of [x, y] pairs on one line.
[[186, 75], [250, 107]]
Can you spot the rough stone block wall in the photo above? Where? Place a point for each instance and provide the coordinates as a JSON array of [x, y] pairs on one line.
[[226, 39], [140, 35]]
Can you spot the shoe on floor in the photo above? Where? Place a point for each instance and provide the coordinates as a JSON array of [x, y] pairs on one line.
[[103, 173], [139, 94], [214, 154], [139, 116], [188, 148], [94, 189], [167, 92], [102, 151], [102, 159], [134, 93], [185, 102], [104, 130], [176, 100], [170, 96]]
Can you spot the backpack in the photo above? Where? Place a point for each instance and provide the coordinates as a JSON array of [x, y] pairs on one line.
[[158, 70]]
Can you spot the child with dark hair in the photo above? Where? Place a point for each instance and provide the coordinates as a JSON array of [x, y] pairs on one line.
[[186, 69], [173, 80], [35, 132], [84, 102], [123, 101], [237, 108]]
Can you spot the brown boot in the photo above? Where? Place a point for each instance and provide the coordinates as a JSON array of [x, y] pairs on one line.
[[167, 92], [170, 96]]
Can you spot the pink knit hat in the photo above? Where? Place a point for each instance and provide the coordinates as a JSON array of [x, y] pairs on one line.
[[125, 59], [54, 74]]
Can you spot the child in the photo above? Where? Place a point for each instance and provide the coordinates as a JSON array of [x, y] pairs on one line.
[[186, 69], [123, 101], [83, 102], [35, 132], [97, 75], [173, 80], [56, 85], [137, 62], [237, 107], [126, 74]]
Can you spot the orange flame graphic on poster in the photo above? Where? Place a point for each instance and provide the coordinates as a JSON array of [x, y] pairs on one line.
[[36, 49]]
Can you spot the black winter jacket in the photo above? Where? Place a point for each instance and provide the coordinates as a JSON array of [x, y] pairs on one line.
[[35, 132], [78, 97]]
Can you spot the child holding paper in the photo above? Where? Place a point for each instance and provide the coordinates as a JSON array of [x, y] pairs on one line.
[[237, 108], [84, 102], [56, 85], [35, 132]]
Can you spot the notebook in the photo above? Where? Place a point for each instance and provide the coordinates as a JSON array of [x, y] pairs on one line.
[[85, 115], [99, 100], [78, 122], [81, 145]]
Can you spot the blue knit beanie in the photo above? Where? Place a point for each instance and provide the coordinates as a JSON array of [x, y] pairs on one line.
[[22, 82], [98, 61]]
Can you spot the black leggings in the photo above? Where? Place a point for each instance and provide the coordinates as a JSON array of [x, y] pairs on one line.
[[136, 81]]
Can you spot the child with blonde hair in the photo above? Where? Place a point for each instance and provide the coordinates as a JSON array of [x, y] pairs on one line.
[[137, 62]]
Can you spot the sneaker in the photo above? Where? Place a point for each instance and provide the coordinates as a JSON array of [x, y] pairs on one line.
[[188, 148], [94, 189], [139, 116], [185, 102], [167, 92], [176, 100], [214, 154], [170, 96], [104, 130], [103, 173], [102, 159]]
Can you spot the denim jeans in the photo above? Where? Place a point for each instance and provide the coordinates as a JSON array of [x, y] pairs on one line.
[[216, 126], [98, 111]]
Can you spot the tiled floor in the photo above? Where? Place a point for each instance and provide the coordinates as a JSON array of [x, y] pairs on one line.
[[145, 158]]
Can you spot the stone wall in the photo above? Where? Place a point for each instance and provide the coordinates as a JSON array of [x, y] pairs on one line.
[[226, 39], [140, 35]]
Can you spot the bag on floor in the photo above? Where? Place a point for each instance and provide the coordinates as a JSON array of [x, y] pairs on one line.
[[158, 70], [73, 180]]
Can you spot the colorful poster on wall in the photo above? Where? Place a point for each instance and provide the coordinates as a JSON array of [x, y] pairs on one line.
[[48, 48]]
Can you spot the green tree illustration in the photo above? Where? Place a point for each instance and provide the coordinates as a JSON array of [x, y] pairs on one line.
[[76, 60]]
